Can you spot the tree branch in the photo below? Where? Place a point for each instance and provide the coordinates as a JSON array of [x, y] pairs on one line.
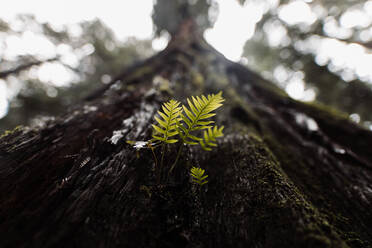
[[24, 67]]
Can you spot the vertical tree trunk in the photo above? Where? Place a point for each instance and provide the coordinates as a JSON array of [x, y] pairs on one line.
[[286, 174]]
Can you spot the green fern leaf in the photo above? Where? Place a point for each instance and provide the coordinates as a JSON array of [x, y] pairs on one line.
[[209, 137], [198, 176], [198, 110], [167, 127]]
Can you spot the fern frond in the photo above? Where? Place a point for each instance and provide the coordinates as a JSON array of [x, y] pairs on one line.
[[198, 176], [209, 137], [166, 127], [199, 109]]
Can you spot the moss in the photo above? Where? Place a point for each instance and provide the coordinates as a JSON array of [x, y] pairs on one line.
[[197, 80], [312, 189], [244, 113], [340, 130], [8, 132], [281, 215], [354, 240], [183, 60], [318, 109], [140, 73], [317, 241], [218, 80], [273, 89]]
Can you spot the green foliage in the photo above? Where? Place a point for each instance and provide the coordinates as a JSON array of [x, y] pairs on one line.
[[195, 118], [209, 137], [187, 121], [167, 127], [102, 57], [175, 123], [198, 176], [7, 132], [284, 61]]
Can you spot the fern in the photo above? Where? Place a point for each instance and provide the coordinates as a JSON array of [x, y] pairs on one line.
[[184, 123], [209, 137], [198, 176], [196, 114], [195, 118], [166, 127]]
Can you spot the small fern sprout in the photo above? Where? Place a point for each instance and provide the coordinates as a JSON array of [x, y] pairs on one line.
[[166, 127], [186, 124], [195, 118], [198, 176], [209, 137], [196, 114]]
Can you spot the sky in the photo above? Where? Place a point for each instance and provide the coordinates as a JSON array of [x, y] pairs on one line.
[[126, 18], [234, 26], [133, 18]]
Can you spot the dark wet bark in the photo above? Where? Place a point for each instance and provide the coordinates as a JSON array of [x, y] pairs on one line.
[[286, 174]]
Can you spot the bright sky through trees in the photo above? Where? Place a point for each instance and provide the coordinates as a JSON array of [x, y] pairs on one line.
[[133, 18], [126, 18], [234, 25]]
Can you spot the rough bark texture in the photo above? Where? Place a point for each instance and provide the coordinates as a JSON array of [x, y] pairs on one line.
[[286, 174]]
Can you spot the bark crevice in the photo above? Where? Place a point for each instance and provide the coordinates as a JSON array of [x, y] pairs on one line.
[[276, 179]]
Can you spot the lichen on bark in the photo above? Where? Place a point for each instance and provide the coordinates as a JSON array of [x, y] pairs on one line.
[[273, 181]]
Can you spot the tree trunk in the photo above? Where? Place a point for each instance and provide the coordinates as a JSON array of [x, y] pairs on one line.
[[286, 174]]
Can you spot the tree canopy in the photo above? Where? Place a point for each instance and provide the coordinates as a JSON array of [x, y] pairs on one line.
[[287, 51], [88, 53]]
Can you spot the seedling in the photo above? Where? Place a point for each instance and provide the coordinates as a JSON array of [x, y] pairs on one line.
[[187, 125], [198, 177]]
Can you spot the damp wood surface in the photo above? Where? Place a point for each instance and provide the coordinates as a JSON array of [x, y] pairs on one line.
[[286, 173]]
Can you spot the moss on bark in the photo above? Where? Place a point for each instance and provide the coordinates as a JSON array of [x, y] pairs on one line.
[[287, 174]]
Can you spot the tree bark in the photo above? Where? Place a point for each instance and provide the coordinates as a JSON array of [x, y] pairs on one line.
[[286, 174]]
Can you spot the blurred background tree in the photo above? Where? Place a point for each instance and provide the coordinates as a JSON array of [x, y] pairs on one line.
[[168, 15], [79, 59], [310, 48], [287, 47]]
